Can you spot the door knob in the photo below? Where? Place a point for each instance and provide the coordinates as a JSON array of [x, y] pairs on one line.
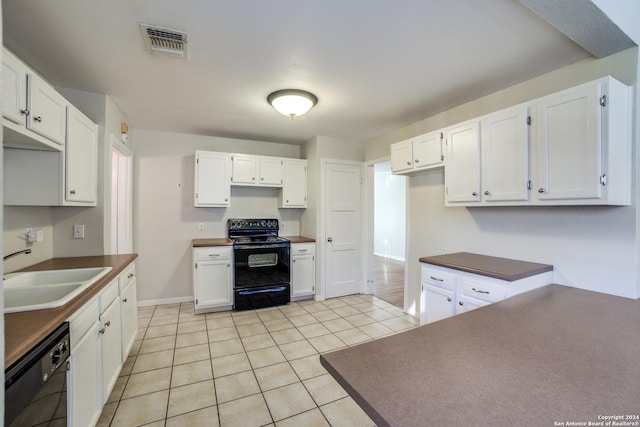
[[329, 240]]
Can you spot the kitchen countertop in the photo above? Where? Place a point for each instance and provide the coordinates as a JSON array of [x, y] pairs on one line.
[[203, 243], [552, 354], [299, 239], [25, 329], [498, 268]]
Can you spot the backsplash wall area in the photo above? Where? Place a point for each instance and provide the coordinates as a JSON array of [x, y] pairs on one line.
[[165, 220], [15, 221]]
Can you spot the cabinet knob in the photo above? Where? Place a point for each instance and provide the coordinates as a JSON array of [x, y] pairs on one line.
[[125, 300], [226, 200], [449, 299], [417, 161], [474, 194], [24, 112], [408, 163], [486, 193], [460, 303], [294, 261], [38, 119], [540, 190], [102, 331], [253, 179], [72, 192], [287, 201], [330, 240], [108, 323], [130, 276], [262, 179]]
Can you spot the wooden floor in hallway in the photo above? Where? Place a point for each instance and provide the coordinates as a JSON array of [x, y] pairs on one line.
[[389, 280]]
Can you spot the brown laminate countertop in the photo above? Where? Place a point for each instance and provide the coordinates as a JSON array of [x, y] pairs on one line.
[[203, 243], [498, 268], [552, 354], [299, 239], [25, 329]]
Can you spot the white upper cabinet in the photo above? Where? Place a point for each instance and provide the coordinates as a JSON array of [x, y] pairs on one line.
[[505, 155], [294, 187], [14, 89], [569, 148], [583, 145], [47, 110], [81, 159], [256, 170], [245, 169], [212, 179], [462, 170], [271, 171], [423, 152]]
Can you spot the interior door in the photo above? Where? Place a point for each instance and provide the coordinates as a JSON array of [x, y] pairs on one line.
[[342, 229]]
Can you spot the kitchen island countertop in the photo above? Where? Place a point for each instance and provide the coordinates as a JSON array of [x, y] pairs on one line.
[[25, 329], [554, 354]]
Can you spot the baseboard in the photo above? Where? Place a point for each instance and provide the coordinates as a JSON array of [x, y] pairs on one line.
[[164, 301], [396, 258]]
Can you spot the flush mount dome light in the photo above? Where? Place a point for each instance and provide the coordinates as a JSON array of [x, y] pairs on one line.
[[292, 102]]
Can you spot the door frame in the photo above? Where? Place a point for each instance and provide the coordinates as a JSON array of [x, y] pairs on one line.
[[321, 243], [368, 223], [115, 144]]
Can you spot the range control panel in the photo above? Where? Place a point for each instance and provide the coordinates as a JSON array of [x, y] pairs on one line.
[[252, 224]]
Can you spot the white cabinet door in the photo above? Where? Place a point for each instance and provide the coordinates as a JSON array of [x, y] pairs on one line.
[[427, 151], [81, 158], [302, 275], [462, 170], [245, 169], [401, 156], [505, 155], [294, 188], [110, 342], [271, 171], [84, 380], [437, 303], [467, 303], [212, 278], [212, 179], [569, 145], [129, 312], [48, 110], [14, 89]]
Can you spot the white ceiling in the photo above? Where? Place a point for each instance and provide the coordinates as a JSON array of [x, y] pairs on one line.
[[375, 65]]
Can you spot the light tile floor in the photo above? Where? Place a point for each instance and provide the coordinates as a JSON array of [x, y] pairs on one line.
[[249, 368]]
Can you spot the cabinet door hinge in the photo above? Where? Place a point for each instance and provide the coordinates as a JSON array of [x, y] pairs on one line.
[[441, 135], [68, 366], [196, 195], [446, 190], [442, 158], [198, 160], [603, 101], [529, 185], [603, 179], [529, 121], [197, 301], [196, 265]]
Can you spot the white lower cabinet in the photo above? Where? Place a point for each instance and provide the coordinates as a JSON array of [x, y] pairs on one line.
[[446, 292], [97, 337], [129, 309], [213, 278], [84, 377], [303, 271]]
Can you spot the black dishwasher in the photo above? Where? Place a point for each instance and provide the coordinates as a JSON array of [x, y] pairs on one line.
[[35, 387]]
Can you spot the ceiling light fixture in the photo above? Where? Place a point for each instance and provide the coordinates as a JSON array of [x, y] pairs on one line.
[[292, 102]]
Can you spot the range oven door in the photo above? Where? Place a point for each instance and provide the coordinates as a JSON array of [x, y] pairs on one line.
[[261, 275]]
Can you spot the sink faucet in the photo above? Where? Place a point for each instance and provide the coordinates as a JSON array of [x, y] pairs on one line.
[[25, 251]]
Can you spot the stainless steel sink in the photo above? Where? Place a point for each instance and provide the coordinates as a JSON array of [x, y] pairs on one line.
[[38, 290]]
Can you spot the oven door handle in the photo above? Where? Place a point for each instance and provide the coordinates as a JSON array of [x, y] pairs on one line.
[[261, 291], [267, 246]]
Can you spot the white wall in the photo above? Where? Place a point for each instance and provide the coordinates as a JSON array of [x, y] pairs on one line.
[[592, 248], [165, 221], [389, 213]]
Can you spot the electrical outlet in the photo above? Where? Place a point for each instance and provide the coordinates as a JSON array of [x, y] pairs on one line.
[[78, 231]]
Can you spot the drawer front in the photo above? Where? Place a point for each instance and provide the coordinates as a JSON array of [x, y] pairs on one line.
[[303, 249], [108, 295], [438, 277], [212, 253], [127, 276], [81, 320], [485, 290]]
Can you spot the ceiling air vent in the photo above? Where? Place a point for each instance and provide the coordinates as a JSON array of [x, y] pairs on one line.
[[164, 41]]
